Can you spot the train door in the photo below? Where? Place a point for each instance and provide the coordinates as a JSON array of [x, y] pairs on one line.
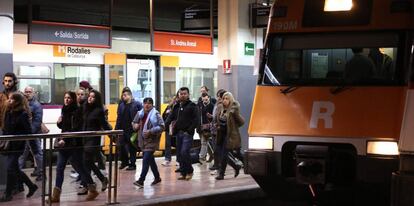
[[142, 77]]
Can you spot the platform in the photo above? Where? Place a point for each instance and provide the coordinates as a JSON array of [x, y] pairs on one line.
[[203, 189]]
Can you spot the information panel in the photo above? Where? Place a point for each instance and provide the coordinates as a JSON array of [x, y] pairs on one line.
[[54, 33]]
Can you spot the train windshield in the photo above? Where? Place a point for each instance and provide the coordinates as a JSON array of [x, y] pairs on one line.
[[333, 59]]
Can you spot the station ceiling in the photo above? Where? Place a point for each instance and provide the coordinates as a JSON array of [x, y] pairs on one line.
[[128, 15]]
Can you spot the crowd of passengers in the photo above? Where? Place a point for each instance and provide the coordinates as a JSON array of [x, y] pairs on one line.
[[217, 122]]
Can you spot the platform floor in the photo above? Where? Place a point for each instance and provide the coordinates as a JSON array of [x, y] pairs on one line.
[[169, 189]]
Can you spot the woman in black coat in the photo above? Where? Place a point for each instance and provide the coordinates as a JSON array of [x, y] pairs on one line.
[[94, 120], [71, 121], [16, 122]]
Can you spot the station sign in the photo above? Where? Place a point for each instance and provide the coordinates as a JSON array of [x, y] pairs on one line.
[[55, 33], [181, 42], [197, 19], [259, 15], [248, 49]]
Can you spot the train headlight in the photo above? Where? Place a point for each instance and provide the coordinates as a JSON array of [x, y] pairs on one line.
[[261, 143], [382, 148], [337, 5]]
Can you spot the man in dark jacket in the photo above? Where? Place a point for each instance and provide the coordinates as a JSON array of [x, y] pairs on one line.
[[185, 119], [34, 146], [127, 109], [206, 114]]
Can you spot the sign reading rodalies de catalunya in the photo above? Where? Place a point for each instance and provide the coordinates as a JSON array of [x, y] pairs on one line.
[[53, 33]]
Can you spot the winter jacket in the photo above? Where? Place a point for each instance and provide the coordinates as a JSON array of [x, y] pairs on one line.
[[71, 122], [154, 124], [94, 120], [134, 107], [17, 123], [186, 116], [37, 115], [234, 120]]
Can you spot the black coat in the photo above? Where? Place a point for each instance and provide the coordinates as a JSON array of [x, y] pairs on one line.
[[94, 120], [17, 123], [186, 116], [71, 122]]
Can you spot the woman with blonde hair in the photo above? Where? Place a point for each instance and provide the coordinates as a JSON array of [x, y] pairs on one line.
[[228, 120]]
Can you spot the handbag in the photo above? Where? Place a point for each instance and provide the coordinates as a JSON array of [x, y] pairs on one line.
[[4, 145], [44, 129], [171, 128], [134, 139]]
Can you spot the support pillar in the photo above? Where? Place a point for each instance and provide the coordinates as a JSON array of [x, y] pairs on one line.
[[6, 58], [233, 33]]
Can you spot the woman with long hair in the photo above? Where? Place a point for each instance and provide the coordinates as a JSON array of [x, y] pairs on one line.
[[94, 120], [228, 135], [71, 148], [16, 122]]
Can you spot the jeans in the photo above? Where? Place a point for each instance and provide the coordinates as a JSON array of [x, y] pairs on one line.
[[168, 147], [35, 147], [204, 137], [77, 161], [224, 156], [128, 153], [90, 155], [14, 173], [148, 161], [184, 144]]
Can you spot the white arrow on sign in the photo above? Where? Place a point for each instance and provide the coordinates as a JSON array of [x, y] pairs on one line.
[[56, 33], [247, 49]]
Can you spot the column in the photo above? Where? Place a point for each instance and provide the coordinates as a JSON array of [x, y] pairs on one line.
[[6, 36], [234, 35], [6, 58]]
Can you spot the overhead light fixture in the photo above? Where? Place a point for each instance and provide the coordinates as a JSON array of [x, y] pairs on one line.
[[121, 38], [337, 5]]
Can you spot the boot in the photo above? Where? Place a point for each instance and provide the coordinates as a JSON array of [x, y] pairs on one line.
[[55, 195], [92, 193]]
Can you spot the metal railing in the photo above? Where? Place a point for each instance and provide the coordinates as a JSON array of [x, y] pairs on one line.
[[48, 139]]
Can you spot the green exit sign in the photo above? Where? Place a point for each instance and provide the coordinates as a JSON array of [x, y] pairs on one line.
[[248, 49]]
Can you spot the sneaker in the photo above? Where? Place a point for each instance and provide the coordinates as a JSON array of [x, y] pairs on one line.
[[189, 176], [39, 178], [181, 177], [140, 183], [82, 190], [105, 183], [220, 177], [214, 172], [166, 163], [74, 175], [156, 181], [131, 168], [122, 166]]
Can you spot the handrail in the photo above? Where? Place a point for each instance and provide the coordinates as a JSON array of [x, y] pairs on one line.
[[113, 157], [63, 134]]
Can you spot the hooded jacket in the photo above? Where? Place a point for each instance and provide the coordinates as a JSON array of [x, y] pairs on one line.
[[154, 124]]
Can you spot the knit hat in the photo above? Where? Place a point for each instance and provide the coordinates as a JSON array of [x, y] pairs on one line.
[[85, 84]]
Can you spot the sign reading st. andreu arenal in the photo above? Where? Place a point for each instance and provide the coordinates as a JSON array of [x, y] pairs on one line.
[[56, 33]]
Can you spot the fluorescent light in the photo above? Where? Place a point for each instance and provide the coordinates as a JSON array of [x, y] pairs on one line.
[[121, 38], [265, 143], [382, 148], [337, 5]]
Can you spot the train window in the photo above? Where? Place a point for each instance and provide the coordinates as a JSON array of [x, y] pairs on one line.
[[38, 77], [116, 83], [194, 78], [169, 84], [141, 77], [67, 77], [373, 65]]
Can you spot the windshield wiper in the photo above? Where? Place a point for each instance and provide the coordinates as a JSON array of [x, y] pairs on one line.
[[270, 76], [288, 89]]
